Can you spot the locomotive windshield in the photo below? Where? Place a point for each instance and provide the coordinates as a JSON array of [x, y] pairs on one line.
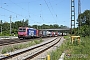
[[22, 30]]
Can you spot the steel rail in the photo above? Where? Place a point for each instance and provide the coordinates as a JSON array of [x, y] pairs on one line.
[[14, 41], [25, 50], [40, 51]]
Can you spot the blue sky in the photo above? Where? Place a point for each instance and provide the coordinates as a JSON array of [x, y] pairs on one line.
[[40, 11]]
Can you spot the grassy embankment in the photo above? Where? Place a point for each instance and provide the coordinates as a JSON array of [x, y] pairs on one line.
[[73, 51], [20, 46]]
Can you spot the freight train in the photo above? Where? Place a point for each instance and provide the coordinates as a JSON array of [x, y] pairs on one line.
[[26, 32]]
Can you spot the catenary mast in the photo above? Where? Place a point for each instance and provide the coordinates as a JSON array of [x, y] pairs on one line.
[[72, 15]]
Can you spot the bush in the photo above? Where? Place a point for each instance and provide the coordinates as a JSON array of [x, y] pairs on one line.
[[37, 41]]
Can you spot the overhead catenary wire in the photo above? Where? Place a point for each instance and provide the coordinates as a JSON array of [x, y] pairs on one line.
[[53, 12], [18, 6], [27, 11], [49, 9], [41, 14], [56, 15], [11, 11], [53, 9], [24, 8]]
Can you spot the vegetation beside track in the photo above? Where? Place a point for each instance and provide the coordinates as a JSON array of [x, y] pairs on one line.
[[55, 55], [73, 51], [78, 51], [20, 46]]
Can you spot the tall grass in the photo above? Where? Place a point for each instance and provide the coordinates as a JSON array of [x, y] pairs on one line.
[[55, 55], [20, 46], [79, 51], [73, 51]]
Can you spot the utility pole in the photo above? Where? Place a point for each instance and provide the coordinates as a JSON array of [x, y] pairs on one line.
[[1, 29], [1, 26], [10, 24], [79, 12], [72, 15], [37, 25], [23, 22]]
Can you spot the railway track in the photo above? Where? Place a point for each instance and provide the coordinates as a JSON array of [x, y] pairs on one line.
[[2, 43], [11, 41], [31, 52], [14, 41]]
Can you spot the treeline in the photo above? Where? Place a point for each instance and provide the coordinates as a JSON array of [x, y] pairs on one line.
[[83, 20], [15, 25]]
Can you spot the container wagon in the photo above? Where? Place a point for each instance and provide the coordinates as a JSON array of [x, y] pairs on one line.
[[44, 33]]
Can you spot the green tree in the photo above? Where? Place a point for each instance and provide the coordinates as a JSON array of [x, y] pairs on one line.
[[44, 26], [5, 26], [85, 23], [85, 18], [56, 26], [35, 26]]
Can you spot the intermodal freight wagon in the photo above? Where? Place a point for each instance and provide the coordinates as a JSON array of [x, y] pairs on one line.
[[26, 32]]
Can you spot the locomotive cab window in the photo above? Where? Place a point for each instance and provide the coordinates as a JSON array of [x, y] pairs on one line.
[[22, 30]]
